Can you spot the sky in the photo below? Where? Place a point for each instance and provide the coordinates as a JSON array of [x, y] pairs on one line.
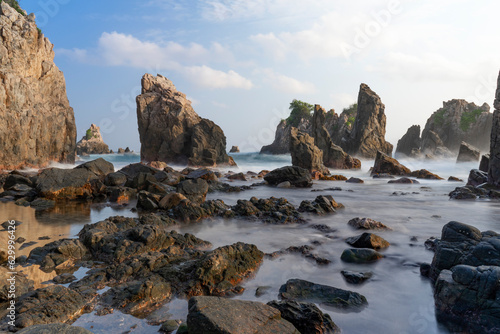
[[241, 62]]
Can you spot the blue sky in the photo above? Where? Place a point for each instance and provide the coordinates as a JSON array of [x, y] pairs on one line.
[[242, 62]]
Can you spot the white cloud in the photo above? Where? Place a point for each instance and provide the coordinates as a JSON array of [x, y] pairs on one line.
[[116, 49], [287, 84], [342, 100]]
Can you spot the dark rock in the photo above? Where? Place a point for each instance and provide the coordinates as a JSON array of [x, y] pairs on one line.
[[237, 176], [355, 180], [234, 149], [384, 164], [22, 284], [42, 204], [171, 131], [321, 205], [360, 255], [356, 277], [262, 290], [203, 173], [477, 177], [281, 143], [298, 177], [467, 153], [484, 165], [99, 167], [333, 155], [494, 165], [55, 253], [115, 179], [367, 224], [467, 192], [147, 201], [368, 132], [64, 278], [404, 180], [54, 328], [195, 190], [368, 240], [133, 170], [58, 184], [410, 141], [455, 179], [13, 179], [300, 290], [169, 326], [304, 153], [54, 303], [120, 194], [306, 317], [425, 174], [229, 316]]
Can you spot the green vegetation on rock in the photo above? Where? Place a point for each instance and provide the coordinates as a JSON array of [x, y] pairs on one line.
[[14, 4], [439, 117], [468, 118], [299, 110], [350, 120], [351, 110], [89, 134]]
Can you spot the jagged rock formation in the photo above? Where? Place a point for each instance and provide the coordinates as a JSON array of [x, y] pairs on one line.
[[494, 165], [409, 144], [281, 143], [333, 155], [468, 153], [457, 121], [368, 132], [234, 149], [304, 153], [92, 142], [37, 124], [171, 131]]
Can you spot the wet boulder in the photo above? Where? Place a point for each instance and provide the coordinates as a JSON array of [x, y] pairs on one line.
[[147, 201], [352, 277], [228, 316], [367, 224], [368, 240], [60, 184], [57, 252], [484, 165], [384, 164], [297, 176], [467, 192], [306, 317], [99, 167], [425, 174], [468, 153], [301, 290], [404, 180], [477, 177], [321, 205], [195, 189], [360, 255]]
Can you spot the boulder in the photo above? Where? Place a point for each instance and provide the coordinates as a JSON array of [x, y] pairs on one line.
[[384, 164], [281, 143], [171, 200], [57, 252], [367, 224], [37, 124], [368, 132], [92, 142], [194, 189], [354, 180], [115, 179], [494, 165], [457, 121], [22, 284], [60, 184], [468, 153], [297, 176], [425, 174], [333, 155], [455, 179], [368, 240], [171, 131], [234, 149], [301, 290], [360, 255], [352, 277], [321, 205], [404, 180], [410, 142], [99, 167], [306, 317], [484, 165], [477, 177], [304, 153], [229, 316]]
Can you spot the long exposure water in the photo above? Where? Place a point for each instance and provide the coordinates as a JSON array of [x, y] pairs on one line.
[[399, 299]]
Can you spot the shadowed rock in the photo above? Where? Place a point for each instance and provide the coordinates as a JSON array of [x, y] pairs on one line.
[[467, 153]]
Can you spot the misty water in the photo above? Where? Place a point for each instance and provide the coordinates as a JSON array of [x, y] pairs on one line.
[[399, 299]]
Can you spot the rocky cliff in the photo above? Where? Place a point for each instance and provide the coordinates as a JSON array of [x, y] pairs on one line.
[[494, 168], [457, 121], [368, 132], [281, 143], [409, 144], [171, 131], [37, 124], [92, 142]]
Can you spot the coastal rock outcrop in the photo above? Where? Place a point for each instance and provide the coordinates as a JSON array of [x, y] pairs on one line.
[[171, 131], [410, 142], [281, 143], [304, 153], [333, 155], [468, 153], [457, 121], [92, 142], [494, 164], [37, 124], [368, 132]]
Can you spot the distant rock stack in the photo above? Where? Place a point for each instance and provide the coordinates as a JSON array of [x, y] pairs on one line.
[[368, 133], [171, 131], [304, 153], [37, 124], [92, 142], [410, 142], [281, 143], [494, 168]]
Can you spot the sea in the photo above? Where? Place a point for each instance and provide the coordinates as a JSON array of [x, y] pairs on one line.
[[400, 300]]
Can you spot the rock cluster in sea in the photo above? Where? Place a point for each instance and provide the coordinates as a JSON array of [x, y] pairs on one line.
[[92, 142], [37, 124]]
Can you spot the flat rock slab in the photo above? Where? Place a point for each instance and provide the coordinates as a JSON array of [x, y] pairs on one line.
[[301, 290], [229, 316]]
